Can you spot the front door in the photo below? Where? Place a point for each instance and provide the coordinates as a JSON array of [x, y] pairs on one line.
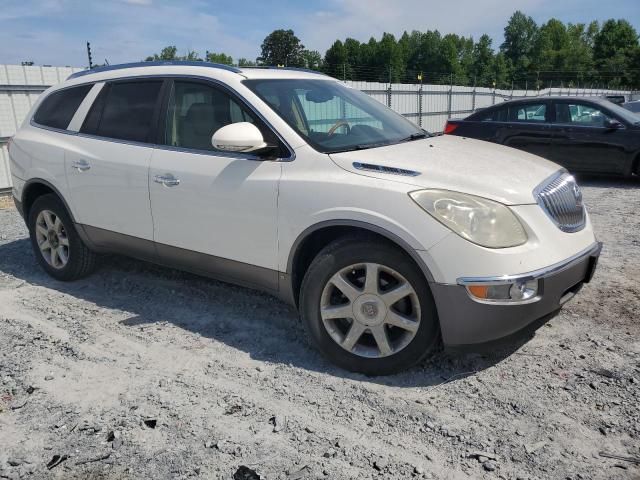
[[213, 212], [581, 142]]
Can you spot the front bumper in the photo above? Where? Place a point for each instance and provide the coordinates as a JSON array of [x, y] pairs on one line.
[[465, 321]]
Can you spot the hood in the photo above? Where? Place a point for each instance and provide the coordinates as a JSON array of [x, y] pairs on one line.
[[448, 162]]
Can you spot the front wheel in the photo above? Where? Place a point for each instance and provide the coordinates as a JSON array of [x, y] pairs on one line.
[[368, 308]]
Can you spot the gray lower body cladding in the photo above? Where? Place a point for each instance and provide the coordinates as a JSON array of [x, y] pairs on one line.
[[465, 322]]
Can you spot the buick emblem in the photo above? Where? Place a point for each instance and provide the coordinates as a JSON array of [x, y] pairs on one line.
[[369, 310], [577, 194]]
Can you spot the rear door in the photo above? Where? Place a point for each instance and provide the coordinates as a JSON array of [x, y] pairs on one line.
[[581, 141], [529, 128], [108, 166]]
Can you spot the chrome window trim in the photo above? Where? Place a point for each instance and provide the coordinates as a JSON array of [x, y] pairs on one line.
[[592, 251], [216, 82]]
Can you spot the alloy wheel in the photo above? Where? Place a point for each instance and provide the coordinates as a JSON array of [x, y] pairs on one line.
[[52, 239], [370, 310]]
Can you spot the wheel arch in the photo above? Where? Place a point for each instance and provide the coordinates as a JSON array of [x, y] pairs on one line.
[[36, 187], [313, 239], [635, 164]]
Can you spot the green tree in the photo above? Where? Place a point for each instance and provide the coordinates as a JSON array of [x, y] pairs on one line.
[[614, 48], [282, 47], [167, 53], [312, 59], [551, 47], [482, 63], [221, 58], [388, 60], [243, 62], [335, 60], [519, 39], [501, 71]]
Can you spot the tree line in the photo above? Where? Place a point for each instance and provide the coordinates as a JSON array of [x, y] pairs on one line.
[[531, 56]]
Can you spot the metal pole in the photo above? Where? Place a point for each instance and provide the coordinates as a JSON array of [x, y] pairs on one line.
[[89, 55], [389, 90], [450, 96], [420, 102], [473, 98]]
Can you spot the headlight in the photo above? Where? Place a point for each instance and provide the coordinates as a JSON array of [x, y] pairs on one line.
[[477, 219]]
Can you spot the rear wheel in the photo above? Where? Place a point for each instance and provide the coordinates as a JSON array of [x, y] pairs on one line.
[[367, 307], [55, 241]]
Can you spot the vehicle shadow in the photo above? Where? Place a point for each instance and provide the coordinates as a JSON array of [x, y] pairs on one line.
[[256, 323]]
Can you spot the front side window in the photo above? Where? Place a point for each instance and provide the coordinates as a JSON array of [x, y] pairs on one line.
[[579, 114], [58, 108], [534, 112], [332, 117], [124, 111], [197, 110]]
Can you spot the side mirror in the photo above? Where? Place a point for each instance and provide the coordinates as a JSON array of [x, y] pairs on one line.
[[612, 124], [238, 137]]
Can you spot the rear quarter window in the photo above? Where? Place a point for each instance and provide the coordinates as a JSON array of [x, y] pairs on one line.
[[57, 110]]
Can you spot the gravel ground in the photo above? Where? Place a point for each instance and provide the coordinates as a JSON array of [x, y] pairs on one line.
[[144, 372]]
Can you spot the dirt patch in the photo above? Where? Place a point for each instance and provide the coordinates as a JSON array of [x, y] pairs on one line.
[[144, 372], [6, 201]]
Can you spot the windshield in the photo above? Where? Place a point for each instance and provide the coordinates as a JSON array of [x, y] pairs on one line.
[[332, 117], [625, 114], [632, 106]]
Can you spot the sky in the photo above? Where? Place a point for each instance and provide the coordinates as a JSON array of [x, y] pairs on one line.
[[55, 32]]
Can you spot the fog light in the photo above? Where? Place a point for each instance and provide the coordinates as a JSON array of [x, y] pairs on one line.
[[523, 290], [505, 292]]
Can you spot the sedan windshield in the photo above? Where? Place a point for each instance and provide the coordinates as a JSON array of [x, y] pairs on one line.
[[333, 117], [625, 114]]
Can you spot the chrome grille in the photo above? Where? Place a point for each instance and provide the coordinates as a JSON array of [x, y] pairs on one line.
[[561, 199]]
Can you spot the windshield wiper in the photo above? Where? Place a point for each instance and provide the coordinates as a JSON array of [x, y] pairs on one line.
[[364, 146], [415, 136]]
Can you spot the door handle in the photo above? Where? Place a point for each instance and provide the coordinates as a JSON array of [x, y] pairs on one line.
[[81, 165], [167, 180]]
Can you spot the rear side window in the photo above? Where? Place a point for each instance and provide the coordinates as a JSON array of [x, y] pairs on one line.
[[58, 109], [534, 112], [493, 115], [124, 111]]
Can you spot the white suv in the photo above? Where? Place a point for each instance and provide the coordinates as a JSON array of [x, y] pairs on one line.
[[387, 239]]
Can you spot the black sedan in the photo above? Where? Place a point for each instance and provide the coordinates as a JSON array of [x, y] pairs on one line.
[[582, 134]]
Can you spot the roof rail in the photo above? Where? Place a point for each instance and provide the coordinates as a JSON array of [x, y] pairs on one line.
[[161, 63]]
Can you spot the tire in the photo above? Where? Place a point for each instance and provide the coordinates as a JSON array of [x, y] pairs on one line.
[[350, 258], [48, 214]]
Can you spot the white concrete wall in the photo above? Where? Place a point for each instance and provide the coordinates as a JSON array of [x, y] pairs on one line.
[[19, 88]]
